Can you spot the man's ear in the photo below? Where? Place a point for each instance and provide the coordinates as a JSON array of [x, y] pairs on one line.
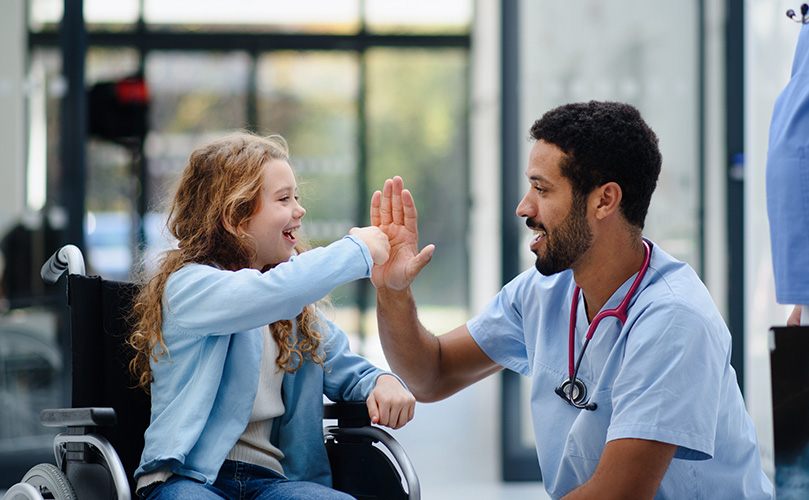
[[607, 199]]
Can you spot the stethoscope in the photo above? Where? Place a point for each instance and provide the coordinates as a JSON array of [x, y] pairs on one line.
[[573, 391]]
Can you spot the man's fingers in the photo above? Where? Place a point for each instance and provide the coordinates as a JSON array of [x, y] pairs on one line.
[[376, 203], [396, 202], [409, 214], [385, 206], [423, 258], [395, 205]]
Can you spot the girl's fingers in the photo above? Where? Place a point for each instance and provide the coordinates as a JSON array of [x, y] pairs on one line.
[[373, 408]]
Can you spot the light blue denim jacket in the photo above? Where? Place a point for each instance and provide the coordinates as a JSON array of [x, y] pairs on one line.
[[204, 387]]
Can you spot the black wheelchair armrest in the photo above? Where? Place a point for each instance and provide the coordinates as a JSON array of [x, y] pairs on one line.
[[370, 472], [78, 417], [76, 451], [347, 413]]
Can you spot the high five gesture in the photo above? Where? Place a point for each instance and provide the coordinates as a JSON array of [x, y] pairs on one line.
[[394, 212]]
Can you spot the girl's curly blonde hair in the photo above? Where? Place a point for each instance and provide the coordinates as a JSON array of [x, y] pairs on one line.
[[219, 187]]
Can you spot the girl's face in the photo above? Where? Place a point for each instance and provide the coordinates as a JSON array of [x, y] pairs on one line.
[[278, 216]]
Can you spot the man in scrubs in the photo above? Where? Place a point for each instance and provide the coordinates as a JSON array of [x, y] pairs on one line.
[[788, 187], [663, 416]]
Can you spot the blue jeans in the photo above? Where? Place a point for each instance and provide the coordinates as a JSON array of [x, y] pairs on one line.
[[241, 481]]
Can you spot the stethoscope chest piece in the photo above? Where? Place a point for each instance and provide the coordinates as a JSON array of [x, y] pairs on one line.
[[574, 391]]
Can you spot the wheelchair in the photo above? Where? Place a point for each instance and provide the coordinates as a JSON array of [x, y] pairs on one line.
[[99, 451]]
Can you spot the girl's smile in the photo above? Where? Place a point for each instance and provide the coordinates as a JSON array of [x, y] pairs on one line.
[[277, 217]]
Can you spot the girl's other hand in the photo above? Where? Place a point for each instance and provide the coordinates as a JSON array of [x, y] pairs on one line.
[[376, 241], [390, 404]]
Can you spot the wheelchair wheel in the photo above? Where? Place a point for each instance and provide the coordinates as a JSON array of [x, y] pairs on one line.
[[51, 482]]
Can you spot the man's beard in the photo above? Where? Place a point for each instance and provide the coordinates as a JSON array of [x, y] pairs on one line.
[[564, 245]]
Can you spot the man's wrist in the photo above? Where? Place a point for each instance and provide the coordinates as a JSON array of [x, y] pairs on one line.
[[393, 297]]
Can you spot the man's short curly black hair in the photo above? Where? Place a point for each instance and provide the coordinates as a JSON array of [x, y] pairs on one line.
[[605, 142]]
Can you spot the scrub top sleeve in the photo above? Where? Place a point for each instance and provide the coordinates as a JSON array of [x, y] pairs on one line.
[[499, 331], [670, 380]]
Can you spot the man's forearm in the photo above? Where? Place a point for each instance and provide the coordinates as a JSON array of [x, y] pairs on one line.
[[628, 469], [412, 352]]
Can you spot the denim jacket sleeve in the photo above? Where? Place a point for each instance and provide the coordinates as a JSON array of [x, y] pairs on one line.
[[203, 300]]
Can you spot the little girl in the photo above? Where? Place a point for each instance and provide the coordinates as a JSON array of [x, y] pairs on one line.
[[227, 339]]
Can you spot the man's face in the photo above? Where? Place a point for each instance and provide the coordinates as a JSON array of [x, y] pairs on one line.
[[557, 216]]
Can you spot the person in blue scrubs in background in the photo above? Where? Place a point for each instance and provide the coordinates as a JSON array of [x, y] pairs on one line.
[[662, 416], [788, 187]]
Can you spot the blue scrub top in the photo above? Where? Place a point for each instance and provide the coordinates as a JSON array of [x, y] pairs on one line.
[[665, 375], [788, 182]]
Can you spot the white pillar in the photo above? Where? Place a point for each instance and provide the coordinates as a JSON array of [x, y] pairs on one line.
[[484, 152], [13, 28]]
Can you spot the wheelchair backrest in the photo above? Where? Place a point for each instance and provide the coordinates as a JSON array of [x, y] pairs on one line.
[[99, 311]]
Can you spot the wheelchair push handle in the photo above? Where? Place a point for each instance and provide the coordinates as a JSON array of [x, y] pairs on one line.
[[68, 258]]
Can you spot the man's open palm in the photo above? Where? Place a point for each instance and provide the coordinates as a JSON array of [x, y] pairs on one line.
[[393, 210]]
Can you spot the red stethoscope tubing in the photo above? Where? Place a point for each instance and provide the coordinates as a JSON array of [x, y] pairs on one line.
[[619, 312]]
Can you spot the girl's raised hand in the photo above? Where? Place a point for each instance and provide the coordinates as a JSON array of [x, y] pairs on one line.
[[376, 241]]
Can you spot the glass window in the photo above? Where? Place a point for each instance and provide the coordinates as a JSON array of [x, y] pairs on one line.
[[98, 14], [323, 16], [197, 92], [417, 128], [44, 14], [418, 16], [103, 14], [194, 96], [111, 174], [31, 378], [104, 64]]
